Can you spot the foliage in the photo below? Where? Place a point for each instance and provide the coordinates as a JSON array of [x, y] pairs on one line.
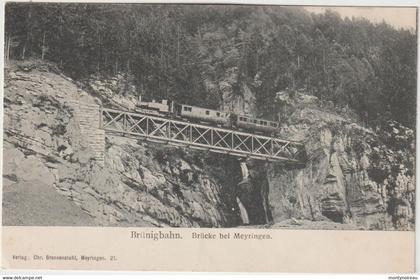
[[184, 52]]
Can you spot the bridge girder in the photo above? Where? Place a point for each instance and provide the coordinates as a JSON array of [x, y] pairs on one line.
[[198, 136]]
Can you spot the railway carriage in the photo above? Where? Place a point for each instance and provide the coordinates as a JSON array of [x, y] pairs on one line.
[[204, 114], [255, 124]]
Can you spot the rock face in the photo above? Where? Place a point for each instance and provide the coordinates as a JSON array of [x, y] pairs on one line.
[[353, 176], [117, 91], [236, 96], [162, 184]]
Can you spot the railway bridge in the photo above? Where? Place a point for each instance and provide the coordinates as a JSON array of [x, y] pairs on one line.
[[199, 136]]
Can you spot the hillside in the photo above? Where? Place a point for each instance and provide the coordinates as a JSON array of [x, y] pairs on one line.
[[206, 54], [354, 178], [140, 184]]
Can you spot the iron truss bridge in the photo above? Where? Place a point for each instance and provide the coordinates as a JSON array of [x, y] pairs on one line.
[[197, 136]]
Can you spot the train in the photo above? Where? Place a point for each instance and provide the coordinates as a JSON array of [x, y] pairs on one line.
[[230, 120]]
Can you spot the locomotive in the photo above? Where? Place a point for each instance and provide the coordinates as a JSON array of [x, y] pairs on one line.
[[174, 110]]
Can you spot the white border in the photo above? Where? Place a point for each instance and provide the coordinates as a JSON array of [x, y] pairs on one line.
[[134, 275]]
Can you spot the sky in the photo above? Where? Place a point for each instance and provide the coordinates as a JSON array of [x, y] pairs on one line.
[[395, 16]]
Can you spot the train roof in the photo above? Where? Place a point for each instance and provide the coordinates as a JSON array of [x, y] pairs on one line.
[[244, 116], [200, 107], [258, 119]]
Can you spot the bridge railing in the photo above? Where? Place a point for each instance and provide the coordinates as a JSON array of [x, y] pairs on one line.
[[198, 136]]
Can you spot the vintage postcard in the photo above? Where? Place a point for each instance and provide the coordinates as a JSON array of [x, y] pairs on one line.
[[203, 137]]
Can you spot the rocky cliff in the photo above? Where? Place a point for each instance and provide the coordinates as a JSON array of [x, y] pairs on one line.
[[354, 177], [46, 155]]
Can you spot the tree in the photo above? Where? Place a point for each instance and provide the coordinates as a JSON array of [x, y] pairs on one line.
[[184, 52]]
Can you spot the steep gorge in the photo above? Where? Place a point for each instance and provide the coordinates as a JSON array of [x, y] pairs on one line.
[[354, 177]]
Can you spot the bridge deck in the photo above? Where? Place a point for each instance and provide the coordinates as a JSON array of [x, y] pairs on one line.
[[198, 136]]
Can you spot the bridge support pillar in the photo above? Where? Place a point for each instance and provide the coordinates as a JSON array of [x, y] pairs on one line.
[[88, 116]]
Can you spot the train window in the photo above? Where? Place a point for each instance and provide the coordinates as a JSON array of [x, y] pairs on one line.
[[187, 109], [273, 124], [255, 121], [207, 112], [218, 114], [264, 123]]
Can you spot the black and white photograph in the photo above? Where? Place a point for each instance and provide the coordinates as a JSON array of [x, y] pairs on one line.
[[209, 116]]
